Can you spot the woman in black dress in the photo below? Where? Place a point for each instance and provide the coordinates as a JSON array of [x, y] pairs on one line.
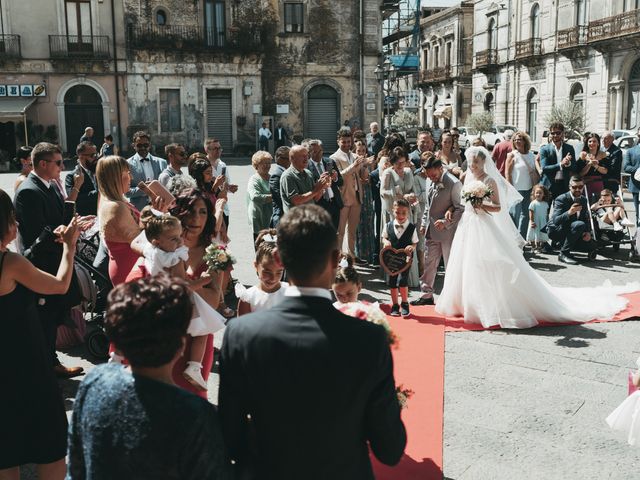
[[32, 416]]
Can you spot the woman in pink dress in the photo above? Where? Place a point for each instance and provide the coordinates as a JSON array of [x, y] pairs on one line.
[[118, 219]]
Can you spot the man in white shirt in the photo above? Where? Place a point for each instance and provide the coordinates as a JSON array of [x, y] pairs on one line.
[[264, 134], [144, 168], [213, 149], [177, 158]]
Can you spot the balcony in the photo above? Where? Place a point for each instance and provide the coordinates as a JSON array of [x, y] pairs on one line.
[[611, 28], [437, 74], [192, 39], [487, 60], [528, 49], [10, 47], [572, 37], [82, 47]]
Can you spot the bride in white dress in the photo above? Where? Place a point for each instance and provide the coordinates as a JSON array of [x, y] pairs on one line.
[[488, 281]]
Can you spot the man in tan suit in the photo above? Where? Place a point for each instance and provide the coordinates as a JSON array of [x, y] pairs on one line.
[[351, 169]]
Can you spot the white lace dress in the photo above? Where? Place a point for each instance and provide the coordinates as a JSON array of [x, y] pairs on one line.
[[626, 418], [488, 281], [259, 299]]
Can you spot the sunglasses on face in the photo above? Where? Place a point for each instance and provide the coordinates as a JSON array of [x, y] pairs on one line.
[[556, 133], [143, 145], [57, 162], [576, 187]]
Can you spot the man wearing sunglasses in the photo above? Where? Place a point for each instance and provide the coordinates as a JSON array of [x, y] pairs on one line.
[[144, 168], [81, 184], [558, 161], [39, 212]]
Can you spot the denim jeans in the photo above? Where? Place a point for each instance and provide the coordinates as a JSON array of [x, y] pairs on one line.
[[520, 213]]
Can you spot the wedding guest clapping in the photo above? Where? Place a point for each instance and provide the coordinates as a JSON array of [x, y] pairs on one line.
[[593, 165], [270, 290], [259, 200], [138, 424]]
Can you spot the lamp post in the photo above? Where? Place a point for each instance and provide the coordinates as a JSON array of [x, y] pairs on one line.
[[386, 74]]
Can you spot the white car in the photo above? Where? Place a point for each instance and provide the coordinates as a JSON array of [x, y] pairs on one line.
[[622, 133], [491, 137], [626, 142]]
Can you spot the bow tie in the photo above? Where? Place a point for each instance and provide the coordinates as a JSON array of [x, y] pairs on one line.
[[145, 159], [399, 227]]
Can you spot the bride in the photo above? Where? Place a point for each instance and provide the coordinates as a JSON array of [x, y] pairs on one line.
[[488, 281]]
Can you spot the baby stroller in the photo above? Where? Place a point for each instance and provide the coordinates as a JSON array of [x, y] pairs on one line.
[[606, 235], [95, 287]]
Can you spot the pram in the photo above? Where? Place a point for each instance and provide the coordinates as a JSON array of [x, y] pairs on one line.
[[95, 287], [605, 235]]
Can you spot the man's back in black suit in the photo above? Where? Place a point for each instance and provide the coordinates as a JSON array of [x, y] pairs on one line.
[[318, 385]]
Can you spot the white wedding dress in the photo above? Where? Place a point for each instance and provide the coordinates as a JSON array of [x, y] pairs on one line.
[[488, 281]]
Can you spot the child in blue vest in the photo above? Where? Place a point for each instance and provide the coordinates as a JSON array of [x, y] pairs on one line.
[[400, 234]]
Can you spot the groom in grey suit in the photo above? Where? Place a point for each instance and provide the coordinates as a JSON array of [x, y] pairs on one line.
[[441, 216]]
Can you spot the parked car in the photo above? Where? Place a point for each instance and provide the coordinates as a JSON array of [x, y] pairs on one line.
[[626, 142], [491, 137], [622, 133]]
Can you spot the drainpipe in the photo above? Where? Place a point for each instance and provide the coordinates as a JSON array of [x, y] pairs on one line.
[[115, 75], [362, 99]]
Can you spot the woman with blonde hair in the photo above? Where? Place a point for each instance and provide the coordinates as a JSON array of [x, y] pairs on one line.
[[520, 171], [119, 220], [259, 201]]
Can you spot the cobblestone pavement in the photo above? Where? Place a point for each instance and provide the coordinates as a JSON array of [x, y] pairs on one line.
[[527, 404]]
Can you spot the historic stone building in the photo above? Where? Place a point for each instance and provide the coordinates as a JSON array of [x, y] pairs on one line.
[[445, 66], [530, 55], [58, 71], [220, 68]]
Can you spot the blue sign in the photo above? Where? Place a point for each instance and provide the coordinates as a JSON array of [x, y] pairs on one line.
[[390, 100], [406, 62]]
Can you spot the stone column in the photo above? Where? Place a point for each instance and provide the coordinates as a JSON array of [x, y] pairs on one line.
[[619, 93]]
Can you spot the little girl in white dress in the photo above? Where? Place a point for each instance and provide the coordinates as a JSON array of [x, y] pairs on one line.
[[626, 418], [270, 290], [164, 251]]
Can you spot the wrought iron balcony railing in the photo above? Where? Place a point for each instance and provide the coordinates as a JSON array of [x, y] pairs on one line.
[[531, 47], [10, 46], [435, 74], [615, 26], [89, 47], [487, 58], [192, 38], [572, 37]]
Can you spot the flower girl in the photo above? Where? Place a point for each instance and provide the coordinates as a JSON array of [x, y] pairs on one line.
[[164, 252], [626, 418], [270, 290]]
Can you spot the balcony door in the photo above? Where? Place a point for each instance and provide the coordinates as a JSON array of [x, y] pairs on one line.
[[214, 23], [79, 28]]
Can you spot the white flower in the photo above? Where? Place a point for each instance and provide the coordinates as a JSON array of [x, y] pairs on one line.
[[222, 257]]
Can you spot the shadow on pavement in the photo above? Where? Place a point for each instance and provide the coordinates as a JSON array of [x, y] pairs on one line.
[[572, 336]]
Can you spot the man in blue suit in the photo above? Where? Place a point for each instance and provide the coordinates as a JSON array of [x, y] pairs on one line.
[[569, 223], [144, 168], [558, 162], [631, 165]]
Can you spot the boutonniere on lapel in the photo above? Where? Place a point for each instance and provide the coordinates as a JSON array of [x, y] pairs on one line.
[[439, 186], [606, 154]]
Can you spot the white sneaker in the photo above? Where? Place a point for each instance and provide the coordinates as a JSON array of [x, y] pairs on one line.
[[625, 222], [617, 227], [116, 358], [194, 376]]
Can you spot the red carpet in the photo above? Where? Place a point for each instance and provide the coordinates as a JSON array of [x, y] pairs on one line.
[[419, 365]]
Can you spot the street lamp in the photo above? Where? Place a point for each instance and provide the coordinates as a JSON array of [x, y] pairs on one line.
[[387, 71]]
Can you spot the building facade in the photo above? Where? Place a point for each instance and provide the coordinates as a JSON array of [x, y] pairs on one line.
[[445, 66], [58, 71]]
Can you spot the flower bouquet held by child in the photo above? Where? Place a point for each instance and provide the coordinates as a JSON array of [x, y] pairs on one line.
[[346, 287], [476, 192], [270, 291], [626, 418]]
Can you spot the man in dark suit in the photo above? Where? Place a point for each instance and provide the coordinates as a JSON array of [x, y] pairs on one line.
[[144, 168], [281, 164], [570, 221], [81, 184], [39, 206], [374, 182], [281, 136], [631, 165], [305, 389], [612, 177], [375, 140], [331, 199], [558, 162]]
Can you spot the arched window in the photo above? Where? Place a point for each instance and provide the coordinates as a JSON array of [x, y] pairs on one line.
[[577, 95], [535, 21], [492, 32], [532, 113], [161, 17]]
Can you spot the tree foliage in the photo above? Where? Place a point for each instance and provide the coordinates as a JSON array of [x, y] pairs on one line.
[[481, 122], [570, 114], [403, 119]]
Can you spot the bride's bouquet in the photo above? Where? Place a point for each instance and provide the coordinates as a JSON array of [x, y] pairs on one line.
[[218, 258], [371, 312], [475, 193]]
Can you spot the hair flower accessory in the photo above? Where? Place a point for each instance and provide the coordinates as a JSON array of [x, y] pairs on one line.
[[270, 238], [344, 263]]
